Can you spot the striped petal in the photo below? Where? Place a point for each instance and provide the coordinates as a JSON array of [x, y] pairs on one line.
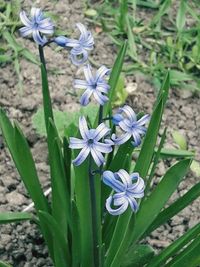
[[143, 120], [137, 138], [24, 19], [101, 131], [24, 31], [129, 112], [125, 177], [101, 72], [76, 143], [76, 60], [133, 203], [88, 74], [81, 156], [85, 98], [38, 38], [117, 211], [97, 156], [101, 99], [109, 179], [122, 139], [103, 148], [80, 84], [83, 127]]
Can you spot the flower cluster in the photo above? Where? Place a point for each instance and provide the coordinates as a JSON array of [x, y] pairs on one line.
[[38, 26], [95, 143]]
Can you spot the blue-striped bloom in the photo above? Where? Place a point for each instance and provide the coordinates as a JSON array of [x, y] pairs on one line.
[[36, 25], [127, 120], [95, 85], [80, 47], [90, 143], [127, 189]]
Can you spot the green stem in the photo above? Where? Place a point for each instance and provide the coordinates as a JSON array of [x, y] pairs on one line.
[[94, 214]]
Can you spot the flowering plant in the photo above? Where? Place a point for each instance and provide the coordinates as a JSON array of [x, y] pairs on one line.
[[102, 201]]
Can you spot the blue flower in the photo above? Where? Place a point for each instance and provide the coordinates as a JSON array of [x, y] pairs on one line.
[[95, 85], [127, 188], [36, 25], [80, 47], [91, 143], [127, 120]]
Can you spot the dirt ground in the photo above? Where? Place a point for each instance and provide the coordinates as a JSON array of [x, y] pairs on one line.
[[21, 244]]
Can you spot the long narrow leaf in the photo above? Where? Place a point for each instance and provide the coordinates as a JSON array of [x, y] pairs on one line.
[[177, 245], [158, 198], [10, 217], [61, 252], [22, 157], [175, 208]]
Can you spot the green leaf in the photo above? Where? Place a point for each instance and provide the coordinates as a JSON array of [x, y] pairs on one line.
[[22, 157], [144, 159], [195, 167], [163, 9], [48, 112], [181, 16], [76, 236], [28, 55], [5, 58], [175, 208], [175, 247], [10, 217], [60, 191], [4, 264], [151, 206], [138, 257], [120, 92], [114, 76], [188, 257], [118, 241], [176, 153], [131, 40], [83, 202], [180, 140], [60, 249]]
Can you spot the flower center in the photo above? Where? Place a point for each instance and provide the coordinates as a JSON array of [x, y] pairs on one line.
[[90, 141]]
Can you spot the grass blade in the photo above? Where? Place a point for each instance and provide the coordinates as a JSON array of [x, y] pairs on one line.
[[10, 217], [181, 18], [151, 206], [177, 245]]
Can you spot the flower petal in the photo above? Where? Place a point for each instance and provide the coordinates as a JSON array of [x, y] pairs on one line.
[[36, 14], [125, 125], [118, 211], [24, 31], [38, 39], [83, 30], [24, 19], [83, 127], [101, 72], [122, 139], [101, 131], [103, 148], [133, 204], [77, 60], [76, 143], [80, 84], [129, 112], [136, 137], [81, 156], [101, 99], [117, 118], [88, 74], [85, 98], [97, 156], [125, 177], [143, 120], [110, 180]]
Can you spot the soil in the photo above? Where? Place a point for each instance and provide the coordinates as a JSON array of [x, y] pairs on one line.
[[21, 244]]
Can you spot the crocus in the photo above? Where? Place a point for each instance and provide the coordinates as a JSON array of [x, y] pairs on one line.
[[127, 189], [90, 143], [80, 47], [36, 25], [95, 85], [127, 120]]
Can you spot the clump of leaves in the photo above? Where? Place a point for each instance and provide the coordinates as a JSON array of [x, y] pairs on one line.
[[11, 50], [166, 37]]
